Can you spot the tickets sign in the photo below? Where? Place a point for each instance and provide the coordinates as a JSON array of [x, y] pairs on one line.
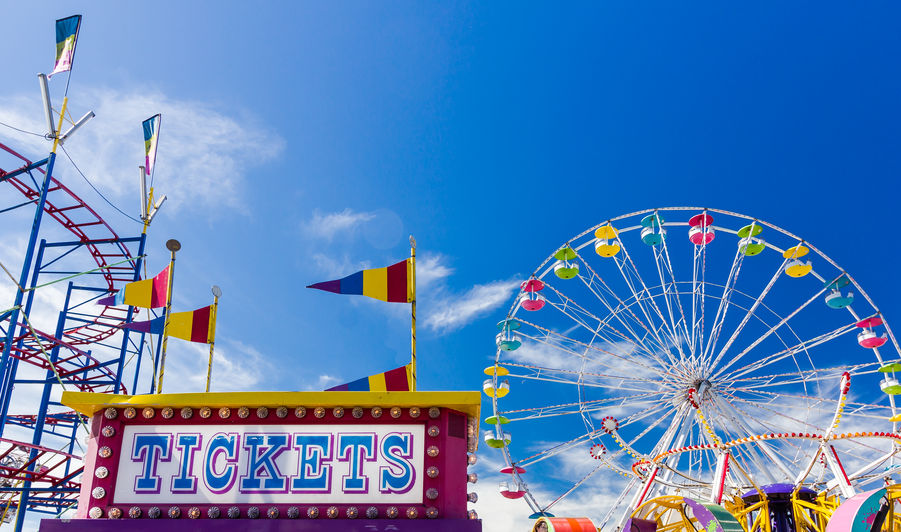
[[393, 457], [359, 464]]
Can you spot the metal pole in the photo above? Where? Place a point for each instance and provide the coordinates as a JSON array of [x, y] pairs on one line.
[[131, 311], [413, 313], [41, 418], [5, 393], [172, 245], [156, 360], [212, 334]]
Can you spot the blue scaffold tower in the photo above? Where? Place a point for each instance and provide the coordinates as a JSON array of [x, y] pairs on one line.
[[75, 258]]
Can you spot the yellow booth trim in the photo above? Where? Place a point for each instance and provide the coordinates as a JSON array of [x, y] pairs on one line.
[[90, 403]]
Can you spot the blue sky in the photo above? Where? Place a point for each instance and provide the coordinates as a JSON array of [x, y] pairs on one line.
[[304, 141]]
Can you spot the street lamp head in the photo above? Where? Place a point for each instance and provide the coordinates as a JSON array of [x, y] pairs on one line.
[[217, 292], [173, 245]]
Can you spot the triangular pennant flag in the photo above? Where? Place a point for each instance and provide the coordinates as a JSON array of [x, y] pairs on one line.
[[395, 380], [392, 284]]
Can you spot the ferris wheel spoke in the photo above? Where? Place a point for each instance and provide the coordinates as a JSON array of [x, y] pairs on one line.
[[781, 413], [769, 451], [633, 360], [616, 311], [674, 282], [569, 376], [557, 449], [655, 407], [602, 324], [723, 306], [797, 377], [789, 352], [663, 263], [642, 296], [574, 408], [826, 406], [574, 486], [669, 435], [699, 290], [748, 314], [767, 334]]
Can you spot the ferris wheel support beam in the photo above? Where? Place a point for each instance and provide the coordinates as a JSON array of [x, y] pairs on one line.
[[645, 488], [875, 463], [840, 477], [719, 477]]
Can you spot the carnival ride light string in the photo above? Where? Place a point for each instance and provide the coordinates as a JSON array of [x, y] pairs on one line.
[[88, 181]]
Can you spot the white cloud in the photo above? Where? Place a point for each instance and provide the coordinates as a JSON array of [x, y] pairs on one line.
[[202, 158], [430, 270], [326, 226], [446, 310], [336, 268], [326, 381]]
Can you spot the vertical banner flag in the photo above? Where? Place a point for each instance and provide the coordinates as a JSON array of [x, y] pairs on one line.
[[149, 293], [392, 284], [151, 136], [395, 380], [66, 37], [194, 326]]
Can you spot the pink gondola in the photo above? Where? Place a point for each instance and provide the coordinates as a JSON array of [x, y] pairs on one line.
[[700, 232]]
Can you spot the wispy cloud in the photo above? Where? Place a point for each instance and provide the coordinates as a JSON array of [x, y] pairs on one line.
[[447, 309], [326, 226], [204, 153], [429, 270]]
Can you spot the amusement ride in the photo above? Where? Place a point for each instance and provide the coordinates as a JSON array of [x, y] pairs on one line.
[[690, 367], [75, 257]]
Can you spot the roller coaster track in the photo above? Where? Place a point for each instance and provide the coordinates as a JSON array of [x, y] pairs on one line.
[[107, 251], [49, 474]]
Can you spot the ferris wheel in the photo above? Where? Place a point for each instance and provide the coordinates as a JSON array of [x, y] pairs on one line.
[[689, 352]]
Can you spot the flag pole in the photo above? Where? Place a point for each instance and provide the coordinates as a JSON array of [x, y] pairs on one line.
[[172, 245], [212, 334], [413, 309]]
